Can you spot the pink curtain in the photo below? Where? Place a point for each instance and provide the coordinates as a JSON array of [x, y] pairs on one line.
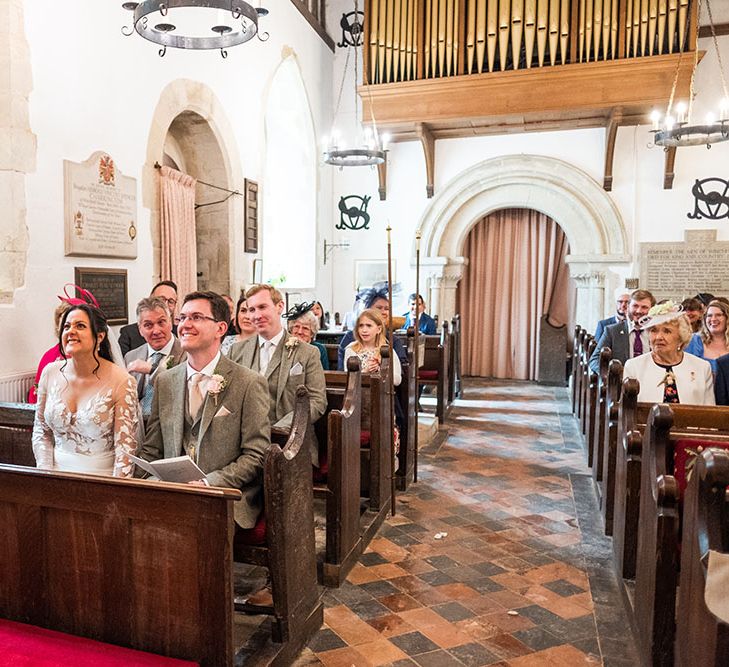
[[178, 261], [516, 273]]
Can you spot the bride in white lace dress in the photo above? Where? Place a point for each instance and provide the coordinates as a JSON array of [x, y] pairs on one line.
[[87, 414]]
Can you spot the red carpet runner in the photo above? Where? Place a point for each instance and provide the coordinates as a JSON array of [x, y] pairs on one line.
[[29, 646]]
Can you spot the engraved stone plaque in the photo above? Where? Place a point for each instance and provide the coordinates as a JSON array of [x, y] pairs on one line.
[[100, 209], [681, 269]]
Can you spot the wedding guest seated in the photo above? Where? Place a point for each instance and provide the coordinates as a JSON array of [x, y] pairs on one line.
[[212, 409], [667, 374], [86, 419], [627, 339], [129, 336], [694, 310], [721, 380], [712, 341], [162, 351], [283, 360], [244, 328], [304, 324], [318, 311], [373, 297], [231, 321], [426, 324], [622, 299]]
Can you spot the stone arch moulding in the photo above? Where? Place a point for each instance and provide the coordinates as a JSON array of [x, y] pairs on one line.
[[177, 97], [578, 203]]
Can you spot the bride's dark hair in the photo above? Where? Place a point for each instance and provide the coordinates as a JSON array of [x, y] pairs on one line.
[[98, 325]]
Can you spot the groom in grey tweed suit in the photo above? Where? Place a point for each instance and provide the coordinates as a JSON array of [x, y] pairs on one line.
[[212, 409]]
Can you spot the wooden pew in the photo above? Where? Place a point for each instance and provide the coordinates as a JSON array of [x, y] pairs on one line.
[[586, 383], [332, 355], [140, 564], [454, 363], [576, 365], [289, 551], [434, 371], [656, 572], [16, 426], [338, 431], [376, 441], [701, 639], [610, 442], [406, 395], [597, 450]]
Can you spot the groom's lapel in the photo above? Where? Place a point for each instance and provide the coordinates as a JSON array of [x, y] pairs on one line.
[[284, 368], [213, 403]]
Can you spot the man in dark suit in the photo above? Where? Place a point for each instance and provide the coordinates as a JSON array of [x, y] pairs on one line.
[[426, 324], [721, 381], [129, 336], [626, 339], [622, 299], [162, 351]]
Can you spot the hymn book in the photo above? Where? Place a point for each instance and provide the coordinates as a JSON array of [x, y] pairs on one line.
[[180, 469]]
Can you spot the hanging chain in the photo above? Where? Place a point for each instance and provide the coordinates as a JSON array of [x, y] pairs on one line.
[[341, 90], [716, 48]]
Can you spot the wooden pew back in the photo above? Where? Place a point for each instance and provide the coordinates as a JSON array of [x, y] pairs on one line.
[[701, 639], [434, 371], [16, 427], [610, 442], [135, 563]]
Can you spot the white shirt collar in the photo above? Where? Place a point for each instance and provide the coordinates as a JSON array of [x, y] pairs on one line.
[[274, 341], [208, 371], [166, 350]]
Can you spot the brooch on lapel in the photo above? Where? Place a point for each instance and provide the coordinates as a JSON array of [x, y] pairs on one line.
[[216, 384], [291, 343]]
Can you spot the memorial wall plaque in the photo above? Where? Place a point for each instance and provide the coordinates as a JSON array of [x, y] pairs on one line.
[[100, 209], [681, 269], [109, 286]]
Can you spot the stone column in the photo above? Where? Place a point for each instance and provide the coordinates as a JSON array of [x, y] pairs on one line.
[[17, 146], [441, 278], [590, 298]]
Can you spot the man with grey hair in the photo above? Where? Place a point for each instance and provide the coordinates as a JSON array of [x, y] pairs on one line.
[[162, 349]]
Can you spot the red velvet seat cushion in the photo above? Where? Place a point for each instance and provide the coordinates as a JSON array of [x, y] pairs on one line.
[[364, 438], [252, 537], [428, 375], [320, 474], [684, 458]]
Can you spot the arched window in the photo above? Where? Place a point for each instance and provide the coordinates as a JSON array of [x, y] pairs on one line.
[[289, 182]]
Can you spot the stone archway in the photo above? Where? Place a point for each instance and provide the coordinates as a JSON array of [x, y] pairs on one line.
[[190, 118], [568, 195]]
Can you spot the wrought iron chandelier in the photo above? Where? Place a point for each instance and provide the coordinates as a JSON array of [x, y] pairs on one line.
[[195, 24], [673, 130], [368, 147]]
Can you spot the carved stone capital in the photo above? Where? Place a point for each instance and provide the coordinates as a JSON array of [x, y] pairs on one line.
[[589, 279]]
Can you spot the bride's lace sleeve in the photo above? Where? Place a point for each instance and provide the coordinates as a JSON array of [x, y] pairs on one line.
[[42, 435], [126, 422]]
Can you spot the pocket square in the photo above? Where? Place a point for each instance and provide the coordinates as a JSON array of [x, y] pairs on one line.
[[296, 369], [222, 412]]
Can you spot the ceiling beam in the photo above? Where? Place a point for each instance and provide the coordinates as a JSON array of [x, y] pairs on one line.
[[719, 28], [669, 168], [611, 133], [427, 140]]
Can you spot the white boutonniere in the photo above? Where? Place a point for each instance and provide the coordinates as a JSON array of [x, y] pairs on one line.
[[290, 345], [216, 384]]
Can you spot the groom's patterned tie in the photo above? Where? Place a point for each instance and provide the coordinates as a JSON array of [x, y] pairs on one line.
[[637, 343], [149, 385]]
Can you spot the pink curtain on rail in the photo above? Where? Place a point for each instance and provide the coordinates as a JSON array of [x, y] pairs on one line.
[[516, 273], [178, 261]]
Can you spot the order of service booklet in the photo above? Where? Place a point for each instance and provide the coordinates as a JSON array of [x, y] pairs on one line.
[[181, 469]]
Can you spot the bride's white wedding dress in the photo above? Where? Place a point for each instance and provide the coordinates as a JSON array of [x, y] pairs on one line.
[[97, 438]]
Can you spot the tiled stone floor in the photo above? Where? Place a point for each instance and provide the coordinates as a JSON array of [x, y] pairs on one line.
[[522, 577]]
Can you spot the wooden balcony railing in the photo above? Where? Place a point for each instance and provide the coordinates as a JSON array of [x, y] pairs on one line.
[[407, 40]]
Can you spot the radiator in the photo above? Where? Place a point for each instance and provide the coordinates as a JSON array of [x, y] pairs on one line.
[[14, 388]]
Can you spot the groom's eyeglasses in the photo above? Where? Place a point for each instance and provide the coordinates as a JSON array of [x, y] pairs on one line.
[[195, 318]]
